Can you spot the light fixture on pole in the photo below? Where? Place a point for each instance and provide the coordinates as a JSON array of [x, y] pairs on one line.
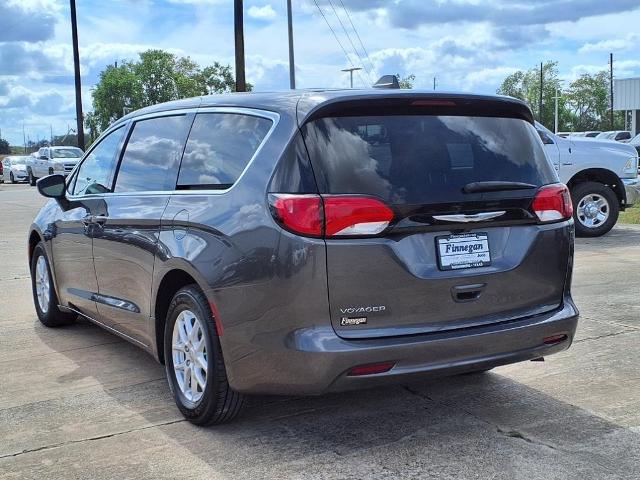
[[351, 70]]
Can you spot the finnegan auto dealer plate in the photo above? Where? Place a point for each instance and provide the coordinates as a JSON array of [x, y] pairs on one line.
[[468, 250]]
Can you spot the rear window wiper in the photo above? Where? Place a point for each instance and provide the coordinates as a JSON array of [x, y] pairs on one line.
[[495, 186]]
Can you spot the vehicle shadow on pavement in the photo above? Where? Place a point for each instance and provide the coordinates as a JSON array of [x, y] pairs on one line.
[[470, 426]]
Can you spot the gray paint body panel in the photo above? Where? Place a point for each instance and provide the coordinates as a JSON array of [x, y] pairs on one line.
[[270, 286]]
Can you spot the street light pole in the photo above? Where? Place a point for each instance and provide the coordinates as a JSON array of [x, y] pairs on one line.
[[76, 68], [556, 116], [351, 70], [292, 68]]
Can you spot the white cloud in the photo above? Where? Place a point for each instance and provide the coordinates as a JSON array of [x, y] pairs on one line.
[[262, 13], [630, 41]]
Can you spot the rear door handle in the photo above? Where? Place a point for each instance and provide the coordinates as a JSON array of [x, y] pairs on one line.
[[467, 293]]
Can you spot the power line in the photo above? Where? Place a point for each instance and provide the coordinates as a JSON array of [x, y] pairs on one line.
[[335, 36], [351, 42], [366, 54]]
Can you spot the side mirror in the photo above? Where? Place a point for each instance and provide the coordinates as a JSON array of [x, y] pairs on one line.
[[52, 186]]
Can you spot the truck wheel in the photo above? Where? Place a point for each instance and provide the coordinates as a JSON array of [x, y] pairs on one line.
[[32, 179], [595, 209]]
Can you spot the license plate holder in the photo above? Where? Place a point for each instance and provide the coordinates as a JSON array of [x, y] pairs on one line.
[[461, 251]]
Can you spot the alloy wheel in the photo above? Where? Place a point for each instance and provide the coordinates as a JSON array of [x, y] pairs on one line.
[[189, 353], [43, 288]]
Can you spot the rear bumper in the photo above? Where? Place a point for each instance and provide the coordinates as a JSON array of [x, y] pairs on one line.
[[315, 360]]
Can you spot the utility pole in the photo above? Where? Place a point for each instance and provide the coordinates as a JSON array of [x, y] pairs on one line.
[[611, 85], [238, 28], [557, 97], [434, 83], [540, 99], [76, 68], [24, 139], [351, 70], [51, 134], [292, 63]]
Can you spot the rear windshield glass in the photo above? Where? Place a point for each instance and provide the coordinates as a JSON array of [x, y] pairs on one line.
[[423, 159], [66, 153]]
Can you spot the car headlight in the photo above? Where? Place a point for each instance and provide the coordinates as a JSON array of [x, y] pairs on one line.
[[631, 166]]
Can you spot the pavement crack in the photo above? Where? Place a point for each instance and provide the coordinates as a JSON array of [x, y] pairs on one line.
[[89, 439], [522, 436], [605, 335]]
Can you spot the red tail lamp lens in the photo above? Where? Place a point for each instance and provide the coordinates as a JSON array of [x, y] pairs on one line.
[[330, 215], [345, 215], [371, 369], [552, 203], [298, 213]]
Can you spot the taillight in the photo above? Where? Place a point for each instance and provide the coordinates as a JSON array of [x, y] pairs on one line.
[[552, 203], [298, 213], [352, 215], [331, 215]]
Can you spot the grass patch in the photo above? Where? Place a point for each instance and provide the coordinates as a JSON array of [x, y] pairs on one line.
[[630, 215]]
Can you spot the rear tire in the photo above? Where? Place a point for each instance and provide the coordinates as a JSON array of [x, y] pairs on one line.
[[595, 209], [44, 295], [191, 341]]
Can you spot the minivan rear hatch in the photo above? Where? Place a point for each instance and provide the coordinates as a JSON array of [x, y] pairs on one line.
[[464, 247]]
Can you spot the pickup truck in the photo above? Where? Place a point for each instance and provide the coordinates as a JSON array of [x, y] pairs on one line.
[[50, 160], [602, 176]]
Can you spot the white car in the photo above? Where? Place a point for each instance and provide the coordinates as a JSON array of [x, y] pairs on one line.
[[50, 160], [601, 175], [15, 168]]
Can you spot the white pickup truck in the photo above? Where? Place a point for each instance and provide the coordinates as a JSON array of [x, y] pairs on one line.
[[50, 160], [602, 176]]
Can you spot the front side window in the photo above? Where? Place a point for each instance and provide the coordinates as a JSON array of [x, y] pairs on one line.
[[95, 175], [219, 148], [152, 155]]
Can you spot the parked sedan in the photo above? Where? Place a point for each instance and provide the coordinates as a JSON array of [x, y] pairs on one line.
[[15, 169]]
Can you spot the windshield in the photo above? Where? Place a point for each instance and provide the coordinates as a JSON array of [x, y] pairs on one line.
[[66, 153], [17, 161], [420, 160]]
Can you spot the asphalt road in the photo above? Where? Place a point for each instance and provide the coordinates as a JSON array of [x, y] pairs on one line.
[[78, 402]]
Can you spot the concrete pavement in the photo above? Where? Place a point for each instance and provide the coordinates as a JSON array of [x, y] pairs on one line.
[[78, 402]]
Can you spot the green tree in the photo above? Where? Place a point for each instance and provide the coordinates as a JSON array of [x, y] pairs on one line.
[[525, 85], [156, 77], [406, 82], [5, 148]]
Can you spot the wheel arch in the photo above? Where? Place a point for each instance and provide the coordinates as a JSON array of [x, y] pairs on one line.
[[601, 175], [172, 281]]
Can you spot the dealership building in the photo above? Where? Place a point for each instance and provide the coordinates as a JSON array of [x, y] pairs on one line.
[[626, 96]]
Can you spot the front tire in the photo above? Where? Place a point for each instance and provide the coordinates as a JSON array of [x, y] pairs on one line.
[[44, 295], [12, 178], [193, 361], [595, 209], [32, 179]]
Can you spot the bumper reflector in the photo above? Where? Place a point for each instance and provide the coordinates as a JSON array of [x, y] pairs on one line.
[[553, 339], [370, 369]]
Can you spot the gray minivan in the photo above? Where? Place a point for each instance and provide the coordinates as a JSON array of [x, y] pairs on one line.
[[312, 241]]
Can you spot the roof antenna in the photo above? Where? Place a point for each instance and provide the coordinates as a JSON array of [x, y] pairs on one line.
[[387, 81]]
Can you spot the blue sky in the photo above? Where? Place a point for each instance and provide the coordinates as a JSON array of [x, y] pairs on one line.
[[468, 45]]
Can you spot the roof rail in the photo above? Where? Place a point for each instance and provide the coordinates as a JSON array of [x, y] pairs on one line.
[[387, 81]]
